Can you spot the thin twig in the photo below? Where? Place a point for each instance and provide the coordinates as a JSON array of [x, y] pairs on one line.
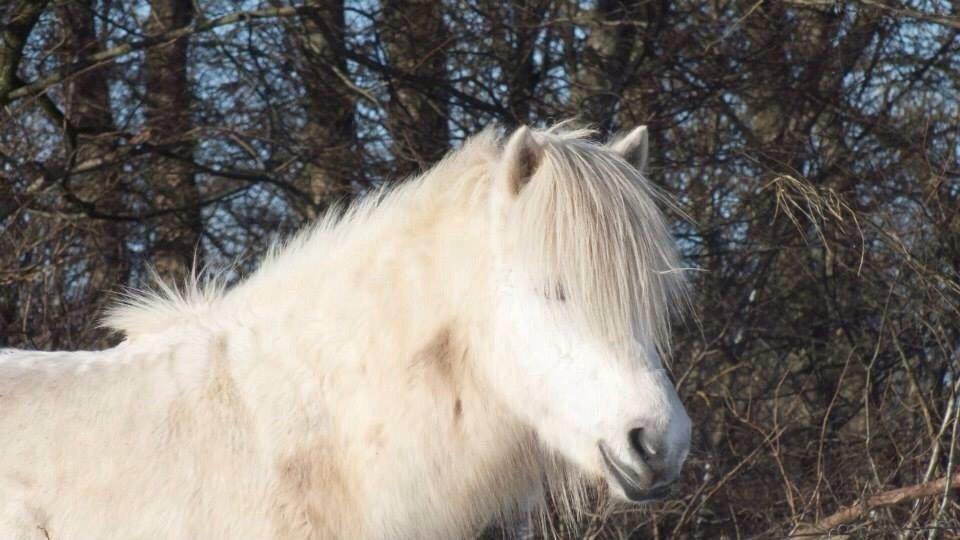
[[947, 485], [113, 53]]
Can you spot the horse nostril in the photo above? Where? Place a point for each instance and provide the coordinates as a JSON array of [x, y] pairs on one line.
[[636, 441]]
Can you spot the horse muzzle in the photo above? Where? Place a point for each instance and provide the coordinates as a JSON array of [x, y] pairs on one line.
[[640, 480]]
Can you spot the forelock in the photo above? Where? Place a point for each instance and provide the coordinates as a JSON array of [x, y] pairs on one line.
[[593, 222]]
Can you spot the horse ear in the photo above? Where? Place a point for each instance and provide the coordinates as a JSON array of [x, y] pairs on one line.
[[634, 147], [520, 160]]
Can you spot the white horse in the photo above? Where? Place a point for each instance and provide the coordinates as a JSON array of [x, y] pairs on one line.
[[437, 357]]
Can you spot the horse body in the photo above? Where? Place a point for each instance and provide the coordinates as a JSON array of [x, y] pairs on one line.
[[345, 390]]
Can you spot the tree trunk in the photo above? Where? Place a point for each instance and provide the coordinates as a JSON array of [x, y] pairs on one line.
[[333, 159], [175, 235], [88, 112], [604, 66], [515, 26], [18, 20], [416, 38]]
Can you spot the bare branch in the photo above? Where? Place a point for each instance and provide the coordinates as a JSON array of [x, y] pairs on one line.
[[22, 20], [113, 53], [889, 498]]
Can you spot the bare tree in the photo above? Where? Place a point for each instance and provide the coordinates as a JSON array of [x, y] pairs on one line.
[[602, 67], [330, 134], [168, 107], [515, 28], [20, 18], [91, 135], [415, 39]]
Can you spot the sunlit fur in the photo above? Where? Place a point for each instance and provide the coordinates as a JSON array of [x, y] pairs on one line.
[[343, 390], [589, 219]]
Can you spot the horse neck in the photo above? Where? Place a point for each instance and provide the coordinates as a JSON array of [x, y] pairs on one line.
[[393, 320], [398, 271]]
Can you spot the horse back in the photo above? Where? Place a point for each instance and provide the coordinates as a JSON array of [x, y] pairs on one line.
[[91, 442]]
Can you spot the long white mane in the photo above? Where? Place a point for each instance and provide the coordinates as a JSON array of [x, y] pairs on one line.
[[592, 222]]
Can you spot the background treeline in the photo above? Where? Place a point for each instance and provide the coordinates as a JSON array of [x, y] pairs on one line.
[[813, 143]]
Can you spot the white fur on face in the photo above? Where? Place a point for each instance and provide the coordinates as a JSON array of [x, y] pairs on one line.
[[581, 306], [576, 388]]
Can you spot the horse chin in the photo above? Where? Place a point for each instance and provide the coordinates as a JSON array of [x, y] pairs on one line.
[[648, 496], [626, 483]]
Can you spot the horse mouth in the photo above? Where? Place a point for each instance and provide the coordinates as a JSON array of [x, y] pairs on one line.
[[629, 480]]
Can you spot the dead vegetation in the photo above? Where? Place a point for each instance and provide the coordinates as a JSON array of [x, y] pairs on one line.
[[813, 146]]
